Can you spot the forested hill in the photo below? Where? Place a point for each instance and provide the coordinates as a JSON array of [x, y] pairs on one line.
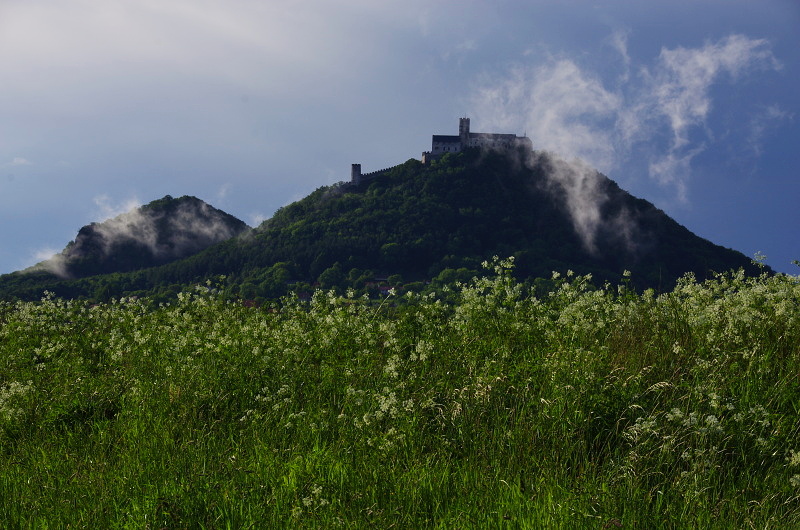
[[160, 232], [463, 209], [440, 221]]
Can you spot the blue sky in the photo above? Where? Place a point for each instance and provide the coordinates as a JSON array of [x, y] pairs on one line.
[[692, 105]]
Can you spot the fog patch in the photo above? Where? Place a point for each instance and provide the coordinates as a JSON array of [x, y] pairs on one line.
[[162, 234], [49, 260], [598, 215]]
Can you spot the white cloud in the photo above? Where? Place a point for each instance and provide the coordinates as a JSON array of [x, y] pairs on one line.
[[660, 115], [257, 218], [619, 41], [762, 122], [105, 209], [670, 169], [50, 260], [678, 90], [570, 110], [680, 84], [86, 47], [44, 253], [19, 161], [561, 107], [223, 191]]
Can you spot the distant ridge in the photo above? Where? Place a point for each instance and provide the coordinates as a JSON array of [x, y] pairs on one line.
[[162, 231]]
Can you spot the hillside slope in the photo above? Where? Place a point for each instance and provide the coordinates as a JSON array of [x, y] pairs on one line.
[[419, 221]]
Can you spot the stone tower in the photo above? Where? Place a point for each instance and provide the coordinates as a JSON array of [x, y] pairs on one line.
[[355, 173], [463, 131]]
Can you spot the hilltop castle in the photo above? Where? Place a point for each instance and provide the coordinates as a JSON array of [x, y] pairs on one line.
[[441, 144]]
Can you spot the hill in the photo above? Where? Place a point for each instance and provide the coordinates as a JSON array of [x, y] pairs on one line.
[[440, 221], [159, 232], [421, 221], [164, 230]]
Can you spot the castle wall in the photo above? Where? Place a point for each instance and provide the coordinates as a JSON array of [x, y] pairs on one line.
[[441, 144], [356, 177]]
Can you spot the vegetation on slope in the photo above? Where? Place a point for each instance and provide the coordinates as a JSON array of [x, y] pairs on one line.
[[582, 408], [418, 221], [422, 222]]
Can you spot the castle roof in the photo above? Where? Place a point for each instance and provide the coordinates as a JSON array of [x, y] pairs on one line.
[[446, 138], [498, 136]]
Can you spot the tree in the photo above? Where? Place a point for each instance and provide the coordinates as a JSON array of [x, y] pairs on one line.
[[394, 280], [331, 277]]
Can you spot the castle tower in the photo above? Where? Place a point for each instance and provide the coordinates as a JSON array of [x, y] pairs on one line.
[[463, 131], [355, 173]]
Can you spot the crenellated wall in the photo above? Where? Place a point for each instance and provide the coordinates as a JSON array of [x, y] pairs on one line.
[[356, 177]]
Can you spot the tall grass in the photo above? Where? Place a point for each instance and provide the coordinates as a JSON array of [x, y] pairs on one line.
[[585, 408]]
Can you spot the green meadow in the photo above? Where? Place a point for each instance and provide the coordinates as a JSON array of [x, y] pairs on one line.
[[484, 405]]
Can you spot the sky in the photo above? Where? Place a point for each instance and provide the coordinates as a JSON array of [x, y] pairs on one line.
[[251, 105]]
